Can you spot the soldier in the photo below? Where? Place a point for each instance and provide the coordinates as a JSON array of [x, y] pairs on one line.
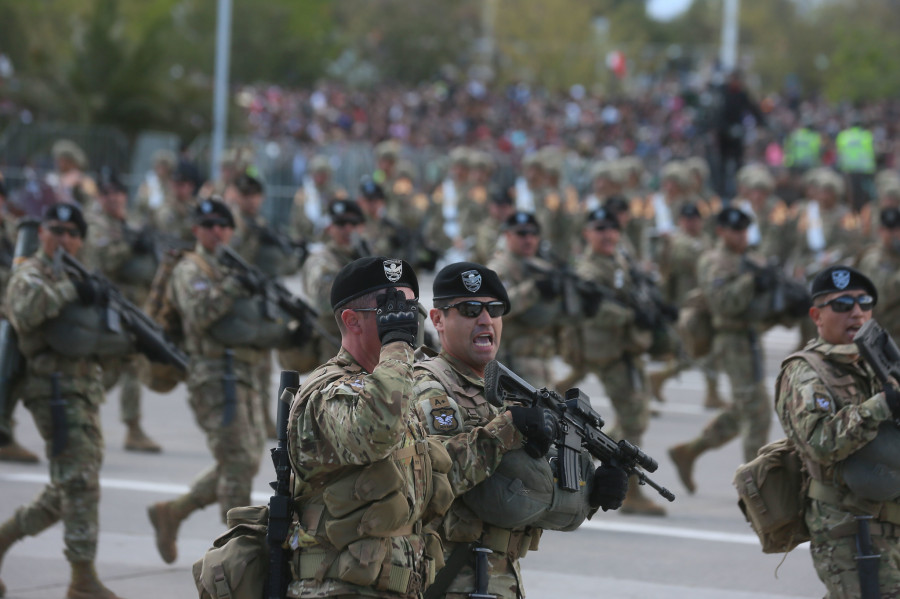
[[352, 426], [222, 381], [831, 406], [488, 235], [613, 338], [534, 297], [469, 302], [881, 263], [309, 214], [157, 188], [346, 228], [126, 257], [69, 181], [174, 218], [474, 209], [450, 195], [678, 267], [37, 294], [377, 235], [661, 209], [560, 206], [529, 186], [734, 294], [773, 231]]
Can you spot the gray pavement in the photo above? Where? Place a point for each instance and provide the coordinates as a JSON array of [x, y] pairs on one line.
[[701, 549]]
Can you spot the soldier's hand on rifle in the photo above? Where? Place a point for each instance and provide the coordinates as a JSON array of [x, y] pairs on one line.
[[548, 287], [609, 488], [397, 318], [89, 292], [539, 427]]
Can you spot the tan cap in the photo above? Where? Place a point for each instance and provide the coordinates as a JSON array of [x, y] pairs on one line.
[[388, 149], [69, 149]]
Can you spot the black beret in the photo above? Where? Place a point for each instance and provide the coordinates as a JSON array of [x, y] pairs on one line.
[[690, 210], [66, 213], [890, 218], [371, 190], [603, 216], [213, 209], [343, 211], [519, 219], [733, 218], [616, 204], [248, 184], [112, 184], [502, 197], [186, 172], [370, 274], [841, 278], [468, 279]]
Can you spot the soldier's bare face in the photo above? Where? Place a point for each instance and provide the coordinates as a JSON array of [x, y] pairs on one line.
[[474, 341], [602, 239], [212, 235], [839, 327], [342, 232], [114, 204], [523, 241], [54, 234], [734, 239]]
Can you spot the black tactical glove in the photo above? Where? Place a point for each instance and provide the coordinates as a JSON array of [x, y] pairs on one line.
[[609, 489], [88, 291], [590, 303], [547, 287], [642, 320], [538, 426], [892, 395], [397, 317], [765, 280]]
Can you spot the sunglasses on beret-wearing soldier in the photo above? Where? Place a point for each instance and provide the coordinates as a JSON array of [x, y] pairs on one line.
[[845, 303], [526, 232], [209, 223], [472, 308], [60, 230]]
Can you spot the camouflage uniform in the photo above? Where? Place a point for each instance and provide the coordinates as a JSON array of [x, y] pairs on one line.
[[828, 421], [319, 272], [476, 449], [202, 292], [174, 218], [343, 423], [488, 236], [882, 265], [309, 213], [529, 329], [37, 293]]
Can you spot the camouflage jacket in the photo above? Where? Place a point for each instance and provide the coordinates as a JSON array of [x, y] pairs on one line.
[[883, 266], [309, 212], [678, 266], [824, 237], [203, 291], [37, 292], [729, 289], [829, 422], [319, 272], [245, 240], [174, 218], [109, 250]]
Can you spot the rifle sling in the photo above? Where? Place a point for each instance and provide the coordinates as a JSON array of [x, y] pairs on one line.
[[458, 558]]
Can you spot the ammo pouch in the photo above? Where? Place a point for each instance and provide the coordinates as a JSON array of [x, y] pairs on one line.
[[873, 472], [81, 331], [248, 325], [273, 261], [543, 313], [139, 270], [237, 565]]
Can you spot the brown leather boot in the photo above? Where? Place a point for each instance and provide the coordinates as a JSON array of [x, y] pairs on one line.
[[86, 585], [137, 440], [637, 503], [9, 534], [13, 452], [166, 517], [684, 456]]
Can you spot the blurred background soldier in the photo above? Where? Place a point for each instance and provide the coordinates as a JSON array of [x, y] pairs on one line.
[[733, 293], [127, 257], [661, 208], [603, 185], [174, 217], [613, 338], [157, 188], [387, 153], [69, 181], [63, 394], [528, 190], [450, 197], [887, 189], [222, 380], [560, 205], [309, 213], [773, 230], [376, 236], [855, 149], [343, 234], [489, 235], [474, 208], [881, 263], [534, 295]]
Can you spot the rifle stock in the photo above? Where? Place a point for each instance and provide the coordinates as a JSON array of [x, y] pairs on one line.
[[580, 428], [879, 350]]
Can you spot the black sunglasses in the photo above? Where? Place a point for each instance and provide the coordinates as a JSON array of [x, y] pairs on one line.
[[60, 230], [844, 303], [526, 232], [209, 224], [471, 308]]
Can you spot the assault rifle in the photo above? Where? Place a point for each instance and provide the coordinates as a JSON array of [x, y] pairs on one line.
[[789, 297], [411, 244], [148, 335], [276, 293], [579, 428], [879, 350], [280, 502]]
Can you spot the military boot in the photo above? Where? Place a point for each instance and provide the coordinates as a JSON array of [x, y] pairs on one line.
[[86, 585], [9, 534], [712, 400], [13, 452], [657, 380], [166, 517], [137, 440], [637, 503], [684, 456]]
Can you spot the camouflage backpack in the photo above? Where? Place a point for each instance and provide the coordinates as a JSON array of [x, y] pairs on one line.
[[695, 325], [237, 565]]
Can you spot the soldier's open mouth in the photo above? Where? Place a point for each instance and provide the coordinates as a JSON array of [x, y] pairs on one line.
[[484, 340]]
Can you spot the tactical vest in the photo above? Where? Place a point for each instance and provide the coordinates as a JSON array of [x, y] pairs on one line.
[[345, 520], [252, 322], [81, 331], [860, 484], [138, 270]]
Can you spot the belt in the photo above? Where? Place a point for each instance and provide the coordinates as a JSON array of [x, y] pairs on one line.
[[887, 516]]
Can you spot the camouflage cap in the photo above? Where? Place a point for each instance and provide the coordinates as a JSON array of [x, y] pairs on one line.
[[841, 278], [532, 159], [164, 157], [66, 213], [747, 173], [481, 159], [601, 168], [213, 211], [460, 155], [698, 166], [468, 279], [833, 181], [760, 179], [66, 148], [674, 171], [633, 165], [388, 149], [366, 275], [319, 163], [551, 159], [886, 178], [405, 168]]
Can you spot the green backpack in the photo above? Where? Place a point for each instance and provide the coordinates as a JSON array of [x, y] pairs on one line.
[[237, 565]]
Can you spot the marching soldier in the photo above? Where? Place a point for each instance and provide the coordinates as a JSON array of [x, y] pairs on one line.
[[489, 234], [309, 214], [157, 189], [69, 181], [174, 217], [881, 263]]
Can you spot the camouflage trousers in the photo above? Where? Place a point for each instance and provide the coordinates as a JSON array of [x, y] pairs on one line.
[[73, 494], [125, 373], [237, 448], [835, 557], [505, 580], [625, 383], [750, 412]]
